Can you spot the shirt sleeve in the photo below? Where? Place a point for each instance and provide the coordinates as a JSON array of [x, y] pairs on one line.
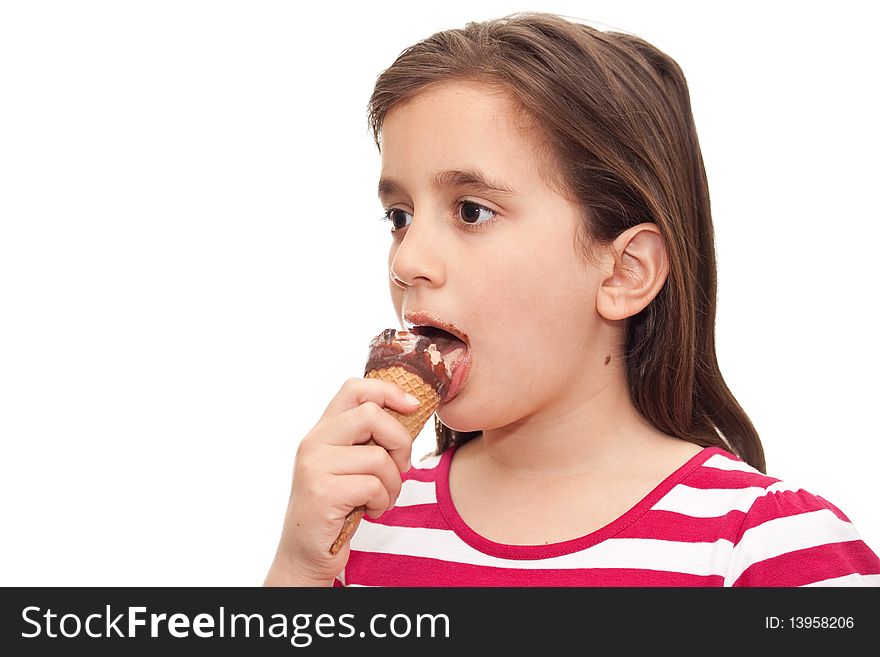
[[795, 538]]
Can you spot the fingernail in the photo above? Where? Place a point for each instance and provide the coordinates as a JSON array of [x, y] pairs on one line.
[[412, 401]]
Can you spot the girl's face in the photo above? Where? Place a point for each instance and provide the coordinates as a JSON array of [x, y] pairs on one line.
[[481, 243]]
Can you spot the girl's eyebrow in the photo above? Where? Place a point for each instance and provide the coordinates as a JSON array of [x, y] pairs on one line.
[[471, 179]]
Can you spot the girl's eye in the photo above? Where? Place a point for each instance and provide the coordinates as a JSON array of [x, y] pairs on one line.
[[474, 213], [398, 218]]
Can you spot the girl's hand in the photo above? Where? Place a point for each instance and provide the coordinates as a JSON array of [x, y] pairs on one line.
[[334, 472]]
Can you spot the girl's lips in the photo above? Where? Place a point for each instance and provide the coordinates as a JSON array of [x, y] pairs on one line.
[[412, 321]]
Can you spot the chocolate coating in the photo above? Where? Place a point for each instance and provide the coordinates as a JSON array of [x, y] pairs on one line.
[[410, 351]]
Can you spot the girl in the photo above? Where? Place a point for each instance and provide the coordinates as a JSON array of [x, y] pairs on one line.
[[549, 208]]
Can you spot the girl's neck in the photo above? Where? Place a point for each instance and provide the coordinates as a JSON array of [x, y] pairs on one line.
[[570, 469], [579, 432]]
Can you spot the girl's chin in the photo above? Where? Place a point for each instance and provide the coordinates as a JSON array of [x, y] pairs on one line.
[[459, 415]]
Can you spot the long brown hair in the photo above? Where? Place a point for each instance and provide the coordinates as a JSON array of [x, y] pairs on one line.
[[615, 117]]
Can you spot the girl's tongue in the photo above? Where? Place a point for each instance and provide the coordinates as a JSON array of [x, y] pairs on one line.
[[453, 356], [451, 349]]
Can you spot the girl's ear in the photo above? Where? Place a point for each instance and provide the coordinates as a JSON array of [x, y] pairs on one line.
[[636, 266]]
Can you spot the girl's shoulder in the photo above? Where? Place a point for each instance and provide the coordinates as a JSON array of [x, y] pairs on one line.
[[716, 482], [719, 466], [732, 485]]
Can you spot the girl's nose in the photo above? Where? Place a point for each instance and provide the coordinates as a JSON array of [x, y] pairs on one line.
[[418, 258]]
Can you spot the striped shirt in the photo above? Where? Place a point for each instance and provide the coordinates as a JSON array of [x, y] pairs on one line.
[[715, 521]]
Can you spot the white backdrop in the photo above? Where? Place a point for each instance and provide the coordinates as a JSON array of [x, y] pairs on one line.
[[191, 260]]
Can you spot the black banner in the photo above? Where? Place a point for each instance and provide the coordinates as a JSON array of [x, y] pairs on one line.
[[267, 621]]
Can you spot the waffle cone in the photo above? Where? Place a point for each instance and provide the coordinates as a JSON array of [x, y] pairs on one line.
[[416, 386], [430, 400]]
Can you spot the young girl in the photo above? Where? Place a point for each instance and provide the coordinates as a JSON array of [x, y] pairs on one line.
[[549, 208]]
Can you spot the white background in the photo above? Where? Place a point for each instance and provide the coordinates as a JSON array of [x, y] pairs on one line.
[[191, 260]]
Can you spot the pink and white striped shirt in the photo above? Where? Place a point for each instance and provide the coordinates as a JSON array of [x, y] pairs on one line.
[[715, 521]]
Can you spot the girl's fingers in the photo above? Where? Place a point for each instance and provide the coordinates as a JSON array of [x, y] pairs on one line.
[[364, 459], [366, 422], [355, 392], [362, 490]]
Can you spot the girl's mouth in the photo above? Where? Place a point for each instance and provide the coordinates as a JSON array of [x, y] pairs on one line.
[[451, 344]]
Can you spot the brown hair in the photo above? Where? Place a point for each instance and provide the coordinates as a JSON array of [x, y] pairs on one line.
[[615, 116]]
